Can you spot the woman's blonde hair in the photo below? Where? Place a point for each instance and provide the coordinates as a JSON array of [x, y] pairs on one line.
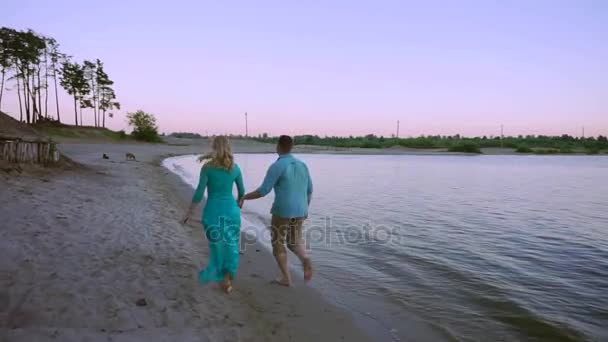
[[221, 154]]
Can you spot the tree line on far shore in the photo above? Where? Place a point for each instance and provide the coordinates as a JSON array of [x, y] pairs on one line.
[[539, 144], [32, 63]]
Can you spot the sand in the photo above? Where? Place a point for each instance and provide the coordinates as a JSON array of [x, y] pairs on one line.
[[97, 253]]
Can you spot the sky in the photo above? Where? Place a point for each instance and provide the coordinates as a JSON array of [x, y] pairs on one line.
[[345, 67]]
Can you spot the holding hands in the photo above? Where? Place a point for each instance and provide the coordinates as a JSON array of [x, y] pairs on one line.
[[250, 196]]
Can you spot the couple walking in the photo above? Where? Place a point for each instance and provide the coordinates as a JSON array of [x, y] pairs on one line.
[[290, 179]]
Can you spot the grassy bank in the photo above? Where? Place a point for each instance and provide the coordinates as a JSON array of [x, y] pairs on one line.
[[60, 132]]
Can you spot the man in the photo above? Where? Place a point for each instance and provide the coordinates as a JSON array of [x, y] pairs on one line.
[[293, 190]]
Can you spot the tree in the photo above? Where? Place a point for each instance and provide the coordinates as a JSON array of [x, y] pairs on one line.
[[20, 54], [105, 93], [102, 95], [106, 101], [101, 80], [30, 60], [57, 59], [75, 84], [144, 126], [90, 74], [6, 54], [26, 48]]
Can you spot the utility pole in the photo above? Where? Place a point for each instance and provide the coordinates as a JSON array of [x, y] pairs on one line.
[[502, 136], [246, 126], [397, 129]]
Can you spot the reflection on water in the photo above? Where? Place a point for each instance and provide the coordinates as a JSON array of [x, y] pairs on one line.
[[467, 248]]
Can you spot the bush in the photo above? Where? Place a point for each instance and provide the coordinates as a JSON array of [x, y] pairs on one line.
[[186, 135], [524, 149], [592, 151], [144, 126], [466, 147], [148, 135], [420, 142], [371, 144], [122, 134]]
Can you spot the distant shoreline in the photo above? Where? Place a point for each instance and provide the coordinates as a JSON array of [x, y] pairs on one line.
[[253, 146], [368, 145]]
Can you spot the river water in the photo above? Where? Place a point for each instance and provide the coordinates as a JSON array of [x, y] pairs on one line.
[[473, 248]]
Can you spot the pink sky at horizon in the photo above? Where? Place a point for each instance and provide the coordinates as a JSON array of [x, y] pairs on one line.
[[340, 67]]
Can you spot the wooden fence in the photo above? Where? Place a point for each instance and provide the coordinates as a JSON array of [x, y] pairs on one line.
[[32, 152]]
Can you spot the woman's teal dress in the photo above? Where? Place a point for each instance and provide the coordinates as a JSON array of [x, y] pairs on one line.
[[221, 220]]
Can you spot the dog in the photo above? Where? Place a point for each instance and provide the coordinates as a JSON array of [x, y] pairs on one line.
[[130, 156]]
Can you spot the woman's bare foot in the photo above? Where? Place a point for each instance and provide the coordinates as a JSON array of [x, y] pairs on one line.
[[282, 282], [307, 265], [226, 285]]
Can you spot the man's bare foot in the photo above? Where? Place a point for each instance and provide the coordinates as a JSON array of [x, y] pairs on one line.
[[282, 282], [307, 265]]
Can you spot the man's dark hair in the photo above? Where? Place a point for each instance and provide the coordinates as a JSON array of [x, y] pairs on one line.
[[286, 143]]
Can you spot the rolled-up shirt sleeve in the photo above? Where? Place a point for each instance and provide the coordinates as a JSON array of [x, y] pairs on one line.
[[310, 188], [309, 181], [272, 176]]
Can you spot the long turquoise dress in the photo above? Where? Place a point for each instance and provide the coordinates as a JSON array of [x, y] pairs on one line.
[[221, 220]]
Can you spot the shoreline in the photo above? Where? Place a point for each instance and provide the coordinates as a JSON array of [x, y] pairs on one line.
[[99, 253], [252, 146]]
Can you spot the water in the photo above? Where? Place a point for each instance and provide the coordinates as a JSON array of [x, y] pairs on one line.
[[482, 248]]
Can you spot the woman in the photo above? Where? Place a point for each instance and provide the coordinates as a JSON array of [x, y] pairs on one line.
[[221, 215]]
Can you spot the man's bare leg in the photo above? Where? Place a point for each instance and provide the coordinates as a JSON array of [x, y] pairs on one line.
[[296, 245], [279, 227], [305, 260], [285, 278]]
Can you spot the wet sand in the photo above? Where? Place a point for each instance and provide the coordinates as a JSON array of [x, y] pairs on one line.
[[97, 253]]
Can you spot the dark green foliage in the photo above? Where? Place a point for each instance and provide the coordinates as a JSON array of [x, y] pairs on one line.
[[21, 53], [144, 126], [524, 149], [74, 82], [102, 97], [547, 144], [420, 142], [186, 135], [592, 150], [466, 147], [29, 60]]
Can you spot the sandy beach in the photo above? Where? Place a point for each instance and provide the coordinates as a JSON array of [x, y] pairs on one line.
[[97, 253]]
